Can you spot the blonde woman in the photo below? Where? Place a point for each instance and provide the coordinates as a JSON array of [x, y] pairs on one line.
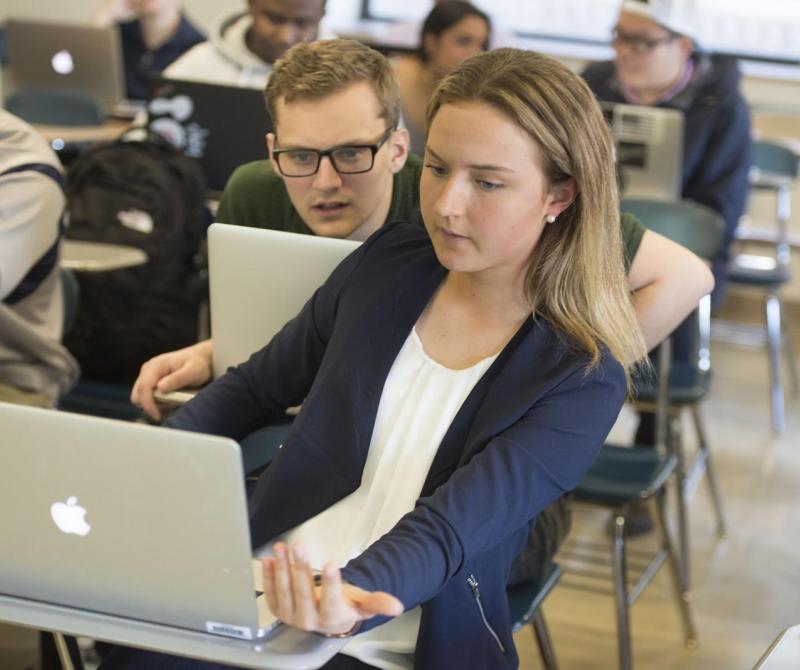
[[455, 380]]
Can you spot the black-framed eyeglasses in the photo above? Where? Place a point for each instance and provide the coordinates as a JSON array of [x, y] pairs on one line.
[[639, 43], [346, 158]]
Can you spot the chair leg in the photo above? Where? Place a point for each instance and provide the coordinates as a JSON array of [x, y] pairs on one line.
[[68, 652], [543, 638], [773, 313], [791, 358], [682, 594], [621, 592], [711, 472], [676, 444]]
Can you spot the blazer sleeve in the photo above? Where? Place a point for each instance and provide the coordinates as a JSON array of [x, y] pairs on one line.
[[276, 377], [502, 488]]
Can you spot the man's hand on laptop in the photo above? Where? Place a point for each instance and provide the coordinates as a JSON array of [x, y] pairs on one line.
[[329, 608], [185, 368]]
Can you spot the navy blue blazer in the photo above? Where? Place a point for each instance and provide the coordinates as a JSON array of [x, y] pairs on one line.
[[525, 435]]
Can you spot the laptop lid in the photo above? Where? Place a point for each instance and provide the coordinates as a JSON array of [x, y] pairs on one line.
[[122, 518], [81, 58], [223, 127], [260, 279], [649, 145]]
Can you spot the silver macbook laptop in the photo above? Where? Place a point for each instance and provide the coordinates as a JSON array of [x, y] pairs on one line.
[[649, 146], [120, 518], [258, 281], [81, 58]]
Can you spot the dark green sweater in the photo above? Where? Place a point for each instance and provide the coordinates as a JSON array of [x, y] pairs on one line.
[[255, 196]]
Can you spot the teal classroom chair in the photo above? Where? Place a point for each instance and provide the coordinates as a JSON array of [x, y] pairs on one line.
[[702, 231], [55, 107], [525, 601], [775, 170], [92, 397], [620, 478]]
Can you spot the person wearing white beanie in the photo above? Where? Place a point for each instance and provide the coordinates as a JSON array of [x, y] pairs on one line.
[[659, 62]]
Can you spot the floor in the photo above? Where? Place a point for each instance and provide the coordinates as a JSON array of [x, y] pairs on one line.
[[747, 587]]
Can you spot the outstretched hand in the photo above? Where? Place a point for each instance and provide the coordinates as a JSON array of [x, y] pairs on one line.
[[330, 608]]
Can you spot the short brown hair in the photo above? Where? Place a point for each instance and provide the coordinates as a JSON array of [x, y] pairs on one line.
[[310, 71]]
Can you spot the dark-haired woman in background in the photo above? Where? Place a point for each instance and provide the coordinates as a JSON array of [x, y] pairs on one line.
[[452, 32]]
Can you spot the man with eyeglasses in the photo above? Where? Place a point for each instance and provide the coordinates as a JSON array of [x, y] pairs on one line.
[[339, 167], [658, 63], [242, 46]]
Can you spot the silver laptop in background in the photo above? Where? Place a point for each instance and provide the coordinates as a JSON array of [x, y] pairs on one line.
[[258, 281], [649, 149], [121, 518], [80, 58]]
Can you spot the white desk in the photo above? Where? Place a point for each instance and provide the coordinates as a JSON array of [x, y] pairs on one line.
[[99, 256], [783, 653], [61, 136], [287, 649]]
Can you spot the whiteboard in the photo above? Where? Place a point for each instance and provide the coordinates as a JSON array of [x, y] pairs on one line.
[[766, 28]]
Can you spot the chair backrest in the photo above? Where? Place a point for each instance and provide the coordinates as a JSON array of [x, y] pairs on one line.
[[3, 52], [696, 227], [71, 290], [775, 158], [55, 107], [701, 230]]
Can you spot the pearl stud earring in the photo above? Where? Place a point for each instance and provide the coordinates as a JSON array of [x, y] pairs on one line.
[[550, 218]]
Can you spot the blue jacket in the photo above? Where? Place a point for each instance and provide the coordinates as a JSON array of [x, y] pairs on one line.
[[717, 149], [526, 434]]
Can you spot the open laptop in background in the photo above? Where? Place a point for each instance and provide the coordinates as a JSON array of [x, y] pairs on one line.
[[258, 281], [223, 127], [649, 147], [63, 56]]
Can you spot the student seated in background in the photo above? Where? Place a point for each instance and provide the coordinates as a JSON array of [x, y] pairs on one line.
[[658, 62], [35, 368], [154, 33], [442, 371], [453, 31], [243, 46], [335, 93]]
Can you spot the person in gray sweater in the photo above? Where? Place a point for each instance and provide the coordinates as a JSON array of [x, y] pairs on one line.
[[35, 368]]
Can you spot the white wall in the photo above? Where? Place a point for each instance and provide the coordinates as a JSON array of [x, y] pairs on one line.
[[201, 11]]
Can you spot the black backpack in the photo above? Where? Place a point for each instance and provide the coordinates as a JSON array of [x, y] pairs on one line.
[[142, 193]]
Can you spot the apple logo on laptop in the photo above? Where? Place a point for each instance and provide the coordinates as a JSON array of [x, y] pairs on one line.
[[62, 62], [69, 517]]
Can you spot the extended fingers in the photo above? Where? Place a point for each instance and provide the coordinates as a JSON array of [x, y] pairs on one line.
[[282, 584], [305, 602], [333, 609]]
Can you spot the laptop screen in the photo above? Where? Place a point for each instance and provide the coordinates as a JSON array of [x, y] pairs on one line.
[[649, 149], [222, 127], [80, 58]]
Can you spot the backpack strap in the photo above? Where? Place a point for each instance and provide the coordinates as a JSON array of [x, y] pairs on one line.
[[44, 266]]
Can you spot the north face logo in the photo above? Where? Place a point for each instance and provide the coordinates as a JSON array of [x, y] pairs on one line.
[[136, 219]]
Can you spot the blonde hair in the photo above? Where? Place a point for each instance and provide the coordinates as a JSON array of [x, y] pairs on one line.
[[575, 278], [310, 71]]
